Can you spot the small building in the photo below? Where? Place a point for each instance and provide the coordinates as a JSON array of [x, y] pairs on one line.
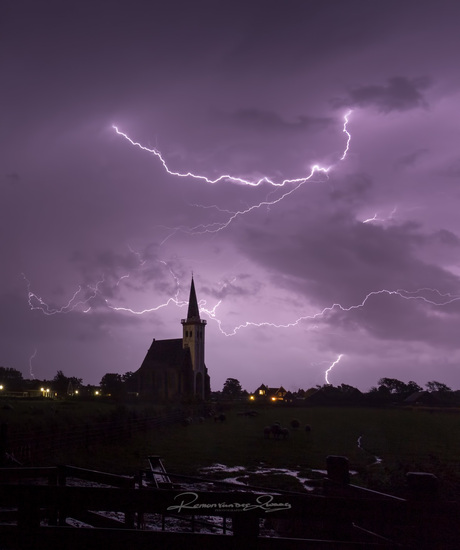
[[270, 394], [421, 398]]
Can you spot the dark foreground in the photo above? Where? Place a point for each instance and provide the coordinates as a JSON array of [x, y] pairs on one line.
[[39, 509]]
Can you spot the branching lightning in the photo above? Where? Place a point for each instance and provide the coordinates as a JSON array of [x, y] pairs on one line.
[[37, 303], [444, 299], [216, 226], [237, 179]]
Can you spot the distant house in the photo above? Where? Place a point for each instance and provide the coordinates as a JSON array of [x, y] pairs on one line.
[[175, 369], [421, 398], [330, 395], [272, 394]]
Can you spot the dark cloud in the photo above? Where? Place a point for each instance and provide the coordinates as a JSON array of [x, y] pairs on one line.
[[269, 121], [337, 260], [411, 159], [230, 288], [445, 237], [399, 94], [12, 178], [353, 189], [452, 170]]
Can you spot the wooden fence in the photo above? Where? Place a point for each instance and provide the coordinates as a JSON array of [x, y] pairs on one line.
[[25, 447], [37, 504]]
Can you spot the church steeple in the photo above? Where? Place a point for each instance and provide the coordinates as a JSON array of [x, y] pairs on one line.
[[193, 313], [193, 337]]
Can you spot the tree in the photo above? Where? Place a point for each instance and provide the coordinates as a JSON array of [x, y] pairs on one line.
[[112, 384], [395, 386], [437, 386], [232, 388], [60, 383], [127, 376], [413, 387], [10, 379]]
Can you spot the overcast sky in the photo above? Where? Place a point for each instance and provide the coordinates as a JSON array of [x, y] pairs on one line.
[[293, 269]]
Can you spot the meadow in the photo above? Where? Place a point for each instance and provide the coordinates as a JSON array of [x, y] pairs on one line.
[[404, 439]]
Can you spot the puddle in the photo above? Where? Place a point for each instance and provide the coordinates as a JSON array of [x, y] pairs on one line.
[[240, 473], [377, 459]]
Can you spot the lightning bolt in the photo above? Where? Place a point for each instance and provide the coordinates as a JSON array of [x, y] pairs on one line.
[[375, 217], [331, 367], [443, 300], [237, 179], [347, 133], [215, 227], [30, 363], [37, 303]]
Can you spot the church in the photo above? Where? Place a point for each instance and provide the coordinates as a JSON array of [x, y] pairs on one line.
[[174, 370]]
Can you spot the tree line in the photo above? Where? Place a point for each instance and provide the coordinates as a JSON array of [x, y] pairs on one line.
[[118, 385]]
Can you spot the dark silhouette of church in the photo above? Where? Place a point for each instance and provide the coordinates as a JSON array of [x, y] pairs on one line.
[[174, 370]]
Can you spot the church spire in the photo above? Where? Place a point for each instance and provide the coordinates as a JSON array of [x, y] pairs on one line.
[[193, 311]]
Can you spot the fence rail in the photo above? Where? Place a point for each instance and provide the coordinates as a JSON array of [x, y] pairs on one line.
[[25, 448], [342, 516]]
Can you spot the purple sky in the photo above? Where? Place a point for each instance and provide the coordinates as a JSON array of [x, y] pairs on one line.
[[362, 261]]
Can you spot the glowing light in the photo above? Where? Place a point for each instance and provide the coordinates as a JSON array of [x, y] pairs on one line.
[[326, 374]]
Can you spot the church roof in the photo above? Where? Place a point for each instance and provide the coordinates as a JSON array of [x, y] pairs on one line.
[[166, 353], [193, 313]]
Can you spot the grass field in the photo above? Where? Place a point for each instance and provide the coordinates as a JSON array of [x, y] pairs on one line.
[[405, 440], [417, 437]]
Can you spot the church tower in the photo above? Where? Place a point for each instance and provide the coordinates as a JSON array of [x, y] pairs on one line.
[[193, 338]]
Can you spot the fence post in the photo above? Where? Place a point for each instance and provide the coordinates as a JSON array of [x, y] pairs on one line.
[[423, 495], [245, 526], [28, 518], [3, 441], [338, 469], [336, 484]]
